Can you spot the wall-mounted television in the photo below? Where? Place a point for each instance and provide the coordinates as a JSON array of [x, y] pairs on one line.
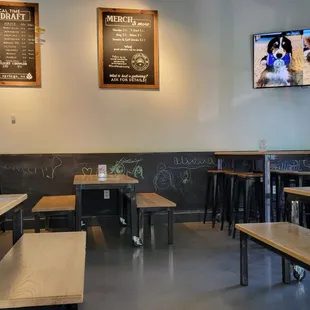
[[282, 59]]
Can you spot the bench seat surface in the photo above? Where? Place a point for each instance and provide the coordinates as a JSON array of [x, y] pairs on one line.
[[8, 202], [44, 269], [289, 238], [55, 203], [153, 200]]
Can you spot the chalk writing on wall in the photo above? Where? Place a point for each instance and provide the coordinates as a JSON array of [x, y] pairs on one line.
[[179, 174], [48, 172], [192, 164], [288, 165], [127, 166]]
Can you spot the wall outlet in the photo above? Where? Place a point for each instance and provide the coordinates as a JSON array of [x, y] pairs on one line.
[[106, 194]]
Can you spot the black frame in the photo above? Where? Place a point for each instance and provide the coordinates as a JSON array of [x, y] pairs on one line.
[[69, 214], [130, 188], [287, 259], [253, 59]]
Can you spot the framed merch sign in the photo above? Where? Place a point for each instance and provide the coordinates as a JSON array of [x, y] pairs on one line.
[[128, 48], [19, 48]]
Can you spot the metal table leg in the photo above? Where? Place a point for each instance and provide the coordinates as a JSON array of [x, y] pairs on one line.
[[17, 224], [170, 225], [78, 209], [37, 223], [286, 271], [133, 217], [243, 259], [121, 207], [267, 203], [141, 225]]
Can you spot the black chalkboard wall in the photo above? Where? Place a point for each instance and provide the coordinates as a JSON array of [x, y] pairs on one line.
[[180, 177]]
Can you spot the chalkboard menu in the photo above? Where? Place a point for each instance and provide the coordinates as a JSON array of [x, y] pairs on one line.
[[128, 48], [19, 52]]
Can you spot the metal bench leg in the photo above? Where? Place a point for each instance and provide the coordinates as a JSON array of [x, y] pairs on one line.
[[37, 223], [170, 225], [47, 223], [72, 307], [17, 224], [243, 259], [286, 271]]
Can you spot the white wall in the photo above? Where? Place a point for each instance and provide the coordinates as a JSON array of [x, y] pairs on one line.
[[206, 100]]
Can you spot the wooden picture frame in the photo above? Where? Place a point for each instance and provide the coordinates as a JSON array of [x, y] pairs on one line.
[[102, 46], [37, 48]]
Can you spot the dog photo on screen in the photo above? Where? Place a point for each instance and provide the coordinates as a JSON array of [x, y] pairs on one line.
[[306, 57], [278, 59]]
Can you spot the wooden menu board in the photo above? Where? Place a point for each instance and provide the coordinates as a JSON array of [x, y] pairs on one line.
[[19, 52], [128, 48]]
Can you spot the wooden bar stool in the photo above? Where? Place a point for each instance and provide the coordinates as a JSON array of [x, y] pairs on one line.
[[283, 178], [215, 185], [249, 186]]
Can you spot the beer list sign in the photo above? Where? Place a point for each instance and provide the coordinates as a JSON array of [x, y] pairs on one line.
[[128, 48], [19, 52]]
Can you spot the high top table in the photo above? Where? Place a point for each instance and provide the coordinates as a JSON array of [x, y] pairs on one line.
[[12, 203], [266, 158], [118, 181]]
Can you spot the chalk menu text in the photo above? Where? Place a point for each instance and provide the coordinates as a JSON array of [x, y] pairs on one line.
[[19, 52]]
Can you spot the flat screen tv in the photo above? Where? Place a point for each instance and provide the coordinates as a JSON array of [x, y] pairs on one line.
[[282, 59]]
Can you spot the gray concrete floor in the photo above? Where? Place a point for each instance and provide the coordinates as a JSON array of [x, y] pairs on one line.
[[201, 271]]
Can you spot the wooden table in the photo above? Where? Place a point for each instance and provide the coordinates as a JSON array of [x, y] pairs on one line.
[[121, 182], [44, 270], [12, 203], [290, 241], [266, 158]]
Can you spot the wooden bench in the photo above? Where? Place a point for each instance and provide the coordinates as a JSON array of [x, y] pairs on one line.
[[44, 270], [152, 202], [55, 205], [290, 241], [12, 204]]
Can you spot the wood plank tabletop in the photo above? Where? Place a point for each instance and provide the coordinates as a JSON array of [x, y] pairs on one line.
[[153, 200], [55, 203], [110, 179], [300, 191], [8, 202], [44, 269], [257, 153], [289, 238]]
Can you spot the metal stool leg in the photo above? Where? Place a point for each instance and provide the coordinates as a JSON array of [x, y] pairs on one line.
[[209, 184]]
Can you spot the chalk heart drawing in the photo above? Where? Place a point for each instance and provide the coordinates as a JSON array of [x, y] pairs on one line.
[[87, 171]]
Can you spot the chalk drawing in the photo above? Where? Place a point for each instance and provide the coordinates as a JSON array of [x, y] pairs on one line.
[[288, 165], [87, 171], [186, 177], [135, 169], [46, 172], [306, 163], [164, 179]]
